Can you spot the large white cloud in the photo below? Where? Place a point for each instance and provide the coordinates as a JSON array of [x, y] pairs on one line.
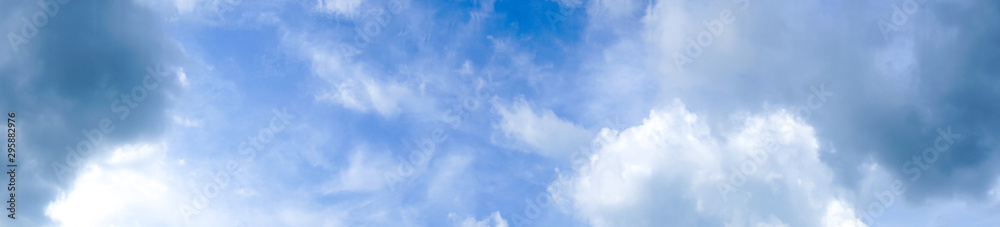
[[124, 189], [673, 170], [889, 91]]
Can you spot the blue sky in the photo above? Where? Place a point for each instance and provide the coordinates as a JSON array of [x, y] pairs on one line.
[[504, 113]]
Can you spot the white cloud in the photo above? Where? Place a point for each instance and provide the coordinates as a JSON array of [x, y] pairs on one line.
[[364, 173], [838, 213], [369, 95], [186, 6], [186, 122], [354, 87], [137, 185], [673, 170], [182, 78], [494, 218], [541, 131], [450, 182], [134, 187], [347, 8]]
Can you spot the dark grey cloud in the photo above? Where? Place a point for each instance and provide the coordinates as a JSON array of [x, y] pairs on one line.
[[65, 80], [887, 116], [953, 85]]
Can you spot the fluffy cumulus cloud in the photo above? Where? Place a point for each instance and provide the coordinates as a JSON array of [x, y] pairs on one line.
[[674, 170], [133, 181]]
